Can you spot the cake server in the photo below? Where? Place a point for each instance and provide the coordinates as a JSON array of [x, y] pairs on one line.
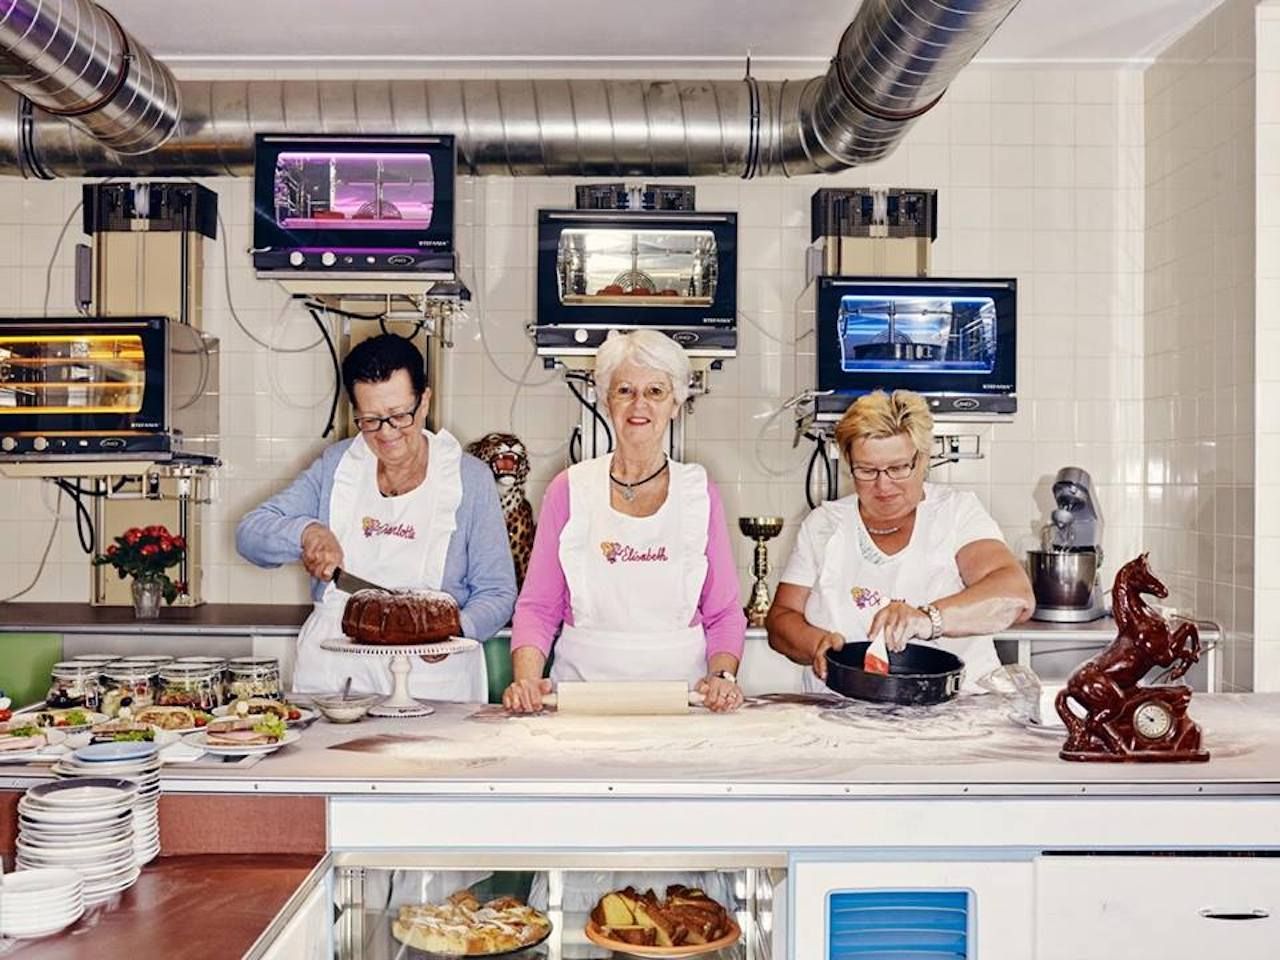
[[351, 583]]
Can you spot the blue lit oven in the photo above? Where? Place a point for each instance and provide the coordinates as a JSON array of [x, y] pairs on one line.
[[952, 340]]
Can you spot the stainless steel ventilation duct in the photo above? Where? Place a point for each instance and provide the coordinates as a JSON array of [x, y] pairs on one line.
[[73, 60], [894, 62]]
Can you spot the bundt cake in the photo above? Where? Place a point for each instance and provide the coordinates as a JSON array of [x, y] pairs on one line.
[[401, 619]]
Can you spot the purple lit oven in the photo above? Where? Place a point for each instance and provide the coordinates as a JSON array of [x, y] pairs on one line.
[[353, 204]]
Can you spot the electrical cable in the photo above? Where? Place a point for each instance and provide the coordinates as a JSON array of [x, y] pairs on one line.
[[84, 519], [595, 414], [337, 369], [231, 307], [53, 257], [44, 557], [808, 477]]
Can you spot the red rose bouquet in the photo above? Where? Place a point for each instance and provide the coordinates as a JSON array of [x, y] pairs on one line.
[[145, 553]]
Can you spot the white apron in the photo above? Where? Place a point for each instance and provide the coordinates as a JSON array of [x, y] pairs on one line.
[[397, 542], [616, 566], [922, 571], [634, 586]]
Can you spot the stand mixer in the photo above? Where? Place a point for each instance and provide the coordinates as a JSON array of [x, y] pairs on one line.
[[1064, 572]]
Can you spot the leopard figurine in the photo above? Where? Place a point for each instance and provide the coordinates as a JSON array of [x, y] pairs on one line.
[[509, 461]]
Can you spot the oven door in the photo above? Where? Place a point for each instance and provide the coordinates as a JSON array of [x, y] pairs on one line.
[[602, 271], [67, 380]]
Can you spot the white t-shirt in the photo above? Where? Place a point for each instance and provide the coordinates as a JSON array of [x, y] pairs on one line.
[[834, 553]]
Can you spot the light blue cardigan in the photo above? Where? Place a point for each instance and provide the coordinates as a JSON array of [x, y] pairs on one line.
[[478, 571]]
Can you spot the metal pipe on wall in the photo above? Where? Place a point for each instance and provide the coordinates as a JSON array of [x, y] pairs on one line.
[[74, 61], [894, 62]]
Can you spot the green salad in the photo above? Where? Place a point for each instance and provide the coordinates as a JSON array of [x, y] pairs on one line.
[[271, 725]]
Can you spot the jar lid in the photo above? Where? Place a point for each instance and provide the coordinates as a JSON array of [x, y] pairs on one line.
[[148, 658], [219, 662], [96, 657], [77, 668], [131, 671], [253, 662], [187, 671]]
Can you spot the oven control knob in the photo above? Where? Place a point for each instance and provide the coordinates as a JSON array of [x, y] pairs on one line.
[[8, 444], [297, 258], [39, 444], [580, 335], [328, 258]]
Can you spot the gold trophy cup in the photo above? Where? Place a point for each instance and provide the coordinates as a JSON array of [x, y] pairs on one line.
[[761, 530]]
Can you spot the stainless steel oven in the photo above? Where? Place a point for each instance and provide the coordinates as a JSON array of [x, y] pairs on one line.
[[108, 388]]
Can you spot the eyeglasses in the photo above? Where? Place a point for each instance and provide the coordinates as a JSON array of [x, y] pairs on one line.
[[895, 471], [396, 421], [625, 393]]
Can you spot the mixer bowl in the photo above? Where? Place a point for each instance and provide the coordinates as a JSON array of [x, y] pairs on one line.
[[1062, 578]]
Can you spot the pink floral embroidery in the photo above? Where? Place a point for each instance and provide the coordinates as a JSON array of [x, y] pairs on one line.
[[864, 597], [373, 527], [616, 552]]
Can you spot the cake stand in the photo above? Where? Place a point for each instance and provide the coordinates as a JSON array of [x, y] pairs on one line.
[[400, 704]]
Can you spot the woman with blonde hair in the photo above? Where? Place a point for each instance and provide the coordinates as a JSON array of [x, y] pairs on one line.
[[928, 559], [632, 564]]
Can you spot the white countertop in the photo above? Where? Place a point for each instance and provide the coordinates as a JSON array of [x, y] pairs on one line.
[[968, 746]]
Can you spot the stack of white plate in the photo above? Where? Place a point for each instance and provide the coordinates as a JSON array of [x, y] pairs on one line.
[[86, 825], [36, 903], [136, 762]]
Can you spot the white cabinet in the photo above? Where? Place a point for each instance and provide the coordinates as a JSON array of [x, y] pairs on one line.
[[1172, 907], [307, 934], [1001, 901]]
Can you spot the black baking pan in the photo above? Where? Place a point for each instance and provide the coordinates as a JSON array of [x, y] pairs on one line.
[[919, 675]]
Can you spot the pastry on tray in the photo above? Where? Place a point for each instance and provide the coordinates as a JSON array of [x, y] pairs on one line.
[[401, 619], [685, 917], [464, 927]]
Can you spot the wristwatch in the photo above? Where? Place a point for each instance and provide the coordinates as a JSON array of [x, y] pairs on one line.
[[935, 618], [726, 675]]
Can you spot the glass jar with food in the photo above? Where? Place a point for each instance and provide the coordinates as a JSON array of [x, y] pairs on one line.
[[219, 667], [128, 685], [254, 677], [73, 684], [195, 685]]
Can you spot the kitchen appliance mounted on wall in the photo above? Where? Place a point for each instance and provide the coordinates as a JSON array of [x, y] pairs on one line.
[[356, 214]]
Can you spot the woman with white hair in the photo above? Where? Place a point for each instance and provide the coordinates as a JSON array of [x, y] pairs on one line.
[[900, 557], [632, 563]]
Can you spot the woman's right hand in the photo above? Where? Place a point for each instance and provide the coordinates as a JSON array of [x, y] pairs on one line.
[[830, 640], [321, 552], [525, 696]]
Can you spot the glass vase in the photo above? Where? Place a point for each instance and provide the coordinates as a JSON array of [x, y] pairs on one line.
[[147, 595]]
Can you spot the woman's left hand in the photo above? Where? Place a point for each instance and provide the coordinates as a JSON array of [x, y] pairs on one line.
[[719, 695], [900, 622]]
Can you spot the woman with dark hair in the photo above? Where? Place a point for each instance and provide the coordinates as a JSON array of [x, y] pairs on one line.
[[397, 505]]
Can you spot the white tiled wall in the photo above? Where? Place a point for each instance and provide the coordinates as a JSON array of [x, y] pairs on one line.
[[1199, 327], [1040, 174], [1267, 353]]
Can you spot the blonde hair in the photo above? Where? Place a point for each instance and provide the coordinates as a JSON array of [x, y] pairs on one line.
[[879, 415], [649, 348]]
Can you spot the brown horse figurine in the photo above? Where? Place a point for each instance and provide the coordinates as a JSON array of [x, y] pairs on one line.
[[1108, 687]]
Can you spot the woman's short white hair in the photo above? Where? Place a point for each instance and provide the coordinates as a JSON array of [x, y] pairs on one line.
[[649, 348]]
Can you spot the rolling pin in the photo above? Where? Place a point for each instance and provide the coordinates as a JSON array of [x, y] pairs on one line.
[[643, 697]]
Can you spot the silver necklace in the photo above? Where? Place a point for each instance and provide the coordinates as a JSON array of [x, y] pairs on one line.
[[628, 490]]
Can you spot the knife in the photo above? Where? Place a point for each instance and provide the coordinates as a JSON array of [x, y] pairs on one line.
[[350, 583]]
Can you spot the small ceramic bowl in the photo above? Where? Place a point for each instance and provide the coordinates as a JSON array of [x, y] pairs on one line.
[[337, 710]]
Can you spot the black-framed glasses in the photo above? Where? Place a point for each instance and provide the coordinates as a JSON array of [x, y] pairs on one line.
[[895, 471], [396, 421]]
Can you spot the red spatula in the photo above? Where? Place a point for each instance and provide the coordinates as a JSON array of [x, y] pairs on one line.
[[876, 659]]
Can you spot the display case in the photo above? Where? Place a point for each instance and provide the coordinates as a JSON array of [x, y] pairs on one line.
[[600, 271], [370, 890]]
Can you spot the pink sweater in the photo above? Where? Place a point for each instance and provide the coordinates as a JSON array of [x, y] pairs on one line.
[[544, 602]]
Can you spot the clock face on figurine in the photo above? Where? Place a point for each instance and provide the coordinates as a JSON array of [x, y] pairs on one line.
[[1152, 720]]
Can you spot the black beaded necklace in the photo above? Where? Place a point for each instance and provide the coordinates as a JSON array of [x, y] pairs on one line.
[[629, 489]]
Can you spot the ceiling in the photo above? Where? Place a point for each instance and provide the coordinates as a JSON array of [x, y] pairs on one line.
[[786, 34]]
